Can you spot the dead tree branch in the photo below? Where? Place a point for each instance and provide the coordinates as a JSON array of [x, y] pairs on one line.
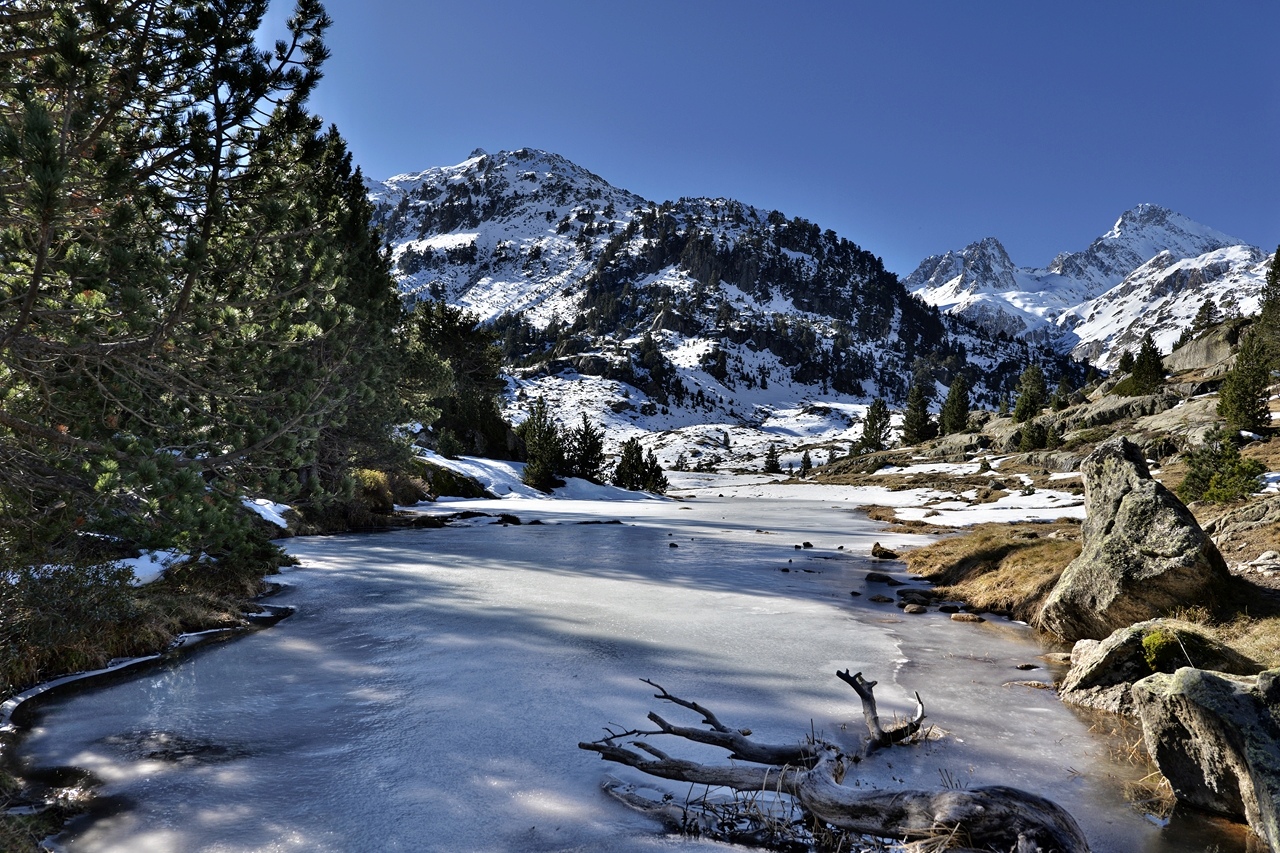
[[811, 775]]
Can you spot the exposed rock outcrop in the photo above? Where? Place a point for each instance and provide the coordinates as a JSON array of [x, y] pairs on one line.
[[1211, 353], [1103, 673], [1143, 553], [1216, 738]]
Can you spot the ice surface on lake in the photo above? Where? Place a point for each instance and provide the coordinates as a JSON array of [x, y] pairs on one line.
[[431, 690]]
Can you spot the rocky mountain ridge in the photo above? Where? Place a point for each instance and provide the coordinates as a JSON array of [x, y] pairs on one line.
[[698, 317], [1149, 273]]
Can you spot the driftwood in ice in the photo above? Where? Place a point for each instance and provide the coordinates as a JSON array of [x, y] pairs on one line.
[[811, 773]]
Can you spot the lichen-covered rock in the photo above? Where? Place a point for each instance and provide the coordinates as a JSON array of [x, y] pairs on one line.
[[1143, 554], [1216, 738], [1102, 673]]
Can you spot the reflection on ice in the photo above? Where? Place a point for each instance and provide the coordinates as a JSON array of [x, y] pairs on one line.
[[430, 691]]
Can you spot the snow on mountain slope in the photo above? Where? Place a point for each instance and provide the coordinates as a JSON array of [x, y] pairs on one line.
[[500, 234], [1052, 304], [684, 322], [1162, 297]]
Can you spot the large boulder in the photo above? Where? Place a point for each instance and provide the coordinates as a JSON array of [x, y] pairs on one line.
[[1143, 554], [1103, 673], [1216, 738]]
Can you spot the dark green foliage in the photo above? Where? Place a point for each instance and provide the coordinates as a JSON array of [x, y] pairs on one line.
[[1032, 394], [448, 445], [1268, 322], [1038, 436], [193, 306], [1207, 317], [544, 448], [772, 465], [1243, 399], [1148, 368], [454, 377], [584, 451], [637, 471], [875, 427], [1126, 362], [917, 423], [1217, 472], [1061, 396], [52, 617], [954, 416], [806, 464]]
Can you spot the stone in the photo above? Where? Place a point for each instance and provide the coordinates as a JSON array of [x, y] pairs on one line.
[[966, 617], [1143, 554], [915, 608], [882, 553], [1216, 738], [878, 577], [1103, 673], [881, 599]]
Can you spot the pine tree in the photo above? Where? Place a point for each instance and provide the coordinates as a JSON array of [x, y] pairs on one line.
[[1148, 368], [954, 416], [1217, 472], [1267, 325], [584, 451], [544, 448], [917, 423], [1242, 401], [1206, 317], [772, 465], [806, 464], [196, 300], [637, 471], [875, 427], [1031, 394], [1125, 364]]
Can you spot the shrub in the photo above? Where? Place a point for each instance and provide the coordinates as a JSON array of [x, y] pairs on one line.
[[1217, 472]]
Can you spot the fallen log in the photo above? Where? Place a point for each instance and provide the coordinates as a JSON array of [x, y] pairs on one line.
[[809, 775]]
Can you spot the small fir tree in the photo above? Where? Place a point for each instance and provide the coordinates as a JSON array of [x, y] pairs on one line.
[[1206, 317], [584, 451], [772, 465], [1217, 472], [917, 423], [1148, 368], [544, 448], [806, 464], [954, 416], [1032, 394], [875, 427], [637, 471], [1243, 399], [1126, 362]]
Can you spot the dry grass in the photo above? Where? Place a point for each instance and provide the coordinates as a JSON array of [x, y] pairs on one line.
[[1005, 568]]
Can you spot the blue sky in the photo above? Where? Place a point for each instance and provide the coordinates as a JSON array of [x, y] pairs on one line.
[[908, 127]]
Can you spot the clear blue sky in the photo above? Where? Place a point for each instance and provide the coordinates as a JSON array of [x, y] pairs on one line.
[[907, 127]]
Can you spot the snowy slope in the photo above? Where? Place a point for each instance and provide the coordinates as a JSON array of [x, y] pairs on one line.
[[682, 322], [1097, 302]]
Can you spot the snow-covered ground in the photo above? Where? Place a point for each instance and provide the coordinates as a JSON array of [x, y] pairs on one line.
[[942, 507]]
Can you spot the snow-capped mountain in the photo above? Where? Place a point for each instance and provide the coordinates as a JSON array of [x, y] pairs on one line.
[[732, 324], [1139, 276]]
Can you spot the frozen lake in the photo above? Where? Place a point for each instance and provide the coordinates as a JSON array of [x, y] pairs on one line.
[[430, 691]]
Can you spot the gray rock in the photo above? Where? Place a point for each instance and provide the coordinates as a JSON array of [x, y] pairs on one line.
[[1102, 673], [1110, 409], [1143, 554], [1216, 738], [1253, 515], [1211, 353]]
